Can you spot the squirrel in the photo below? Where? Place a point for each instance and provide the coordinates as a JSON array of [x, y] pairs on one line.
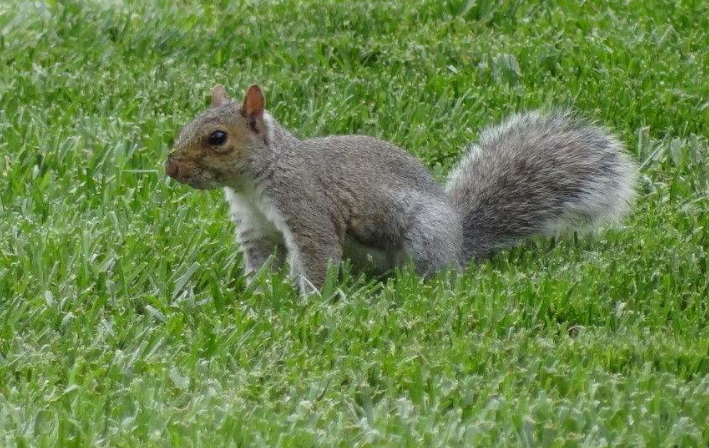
[[314, 202]]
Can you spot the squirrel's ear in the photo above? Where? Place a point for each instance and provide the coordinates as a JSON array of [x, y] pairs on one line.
[[219, 95], [254, 102]]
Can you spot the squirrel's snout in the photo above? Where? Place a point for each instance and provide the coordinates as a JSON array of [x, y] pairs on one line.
[[172, 169]]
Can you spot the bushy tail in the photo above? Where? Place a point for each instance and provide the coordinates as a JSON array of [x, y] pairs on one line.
[[540, 174]]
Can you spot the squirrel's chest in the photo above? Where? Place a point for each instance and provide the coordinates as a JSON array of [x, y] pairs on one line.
[[254, 213]]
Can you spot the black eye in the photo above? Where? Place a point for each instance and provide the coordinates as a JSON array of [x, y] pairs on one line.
[[217, 138]]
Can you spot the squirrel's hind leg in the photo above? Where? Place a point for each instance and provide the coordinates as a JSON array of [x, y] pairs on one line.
[[433, 240]]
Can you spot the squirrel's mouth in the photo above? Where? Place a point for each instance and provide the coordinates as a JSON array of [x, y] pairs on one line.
[[182, 174]]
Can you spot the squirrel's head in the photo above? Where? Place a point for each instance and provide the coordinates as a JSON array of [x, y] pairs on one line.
[[212, 151]]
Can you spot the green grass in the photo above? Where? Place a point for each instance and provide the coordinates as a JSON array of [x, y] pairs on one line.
[[124, 319]]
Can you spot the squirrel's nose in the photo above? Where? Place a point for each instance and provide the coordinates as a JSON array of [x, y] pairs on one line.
[[171, 167]]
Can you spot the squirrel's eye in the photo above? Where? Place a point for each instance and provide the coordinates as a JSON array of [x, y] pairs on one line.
[[217, 138]]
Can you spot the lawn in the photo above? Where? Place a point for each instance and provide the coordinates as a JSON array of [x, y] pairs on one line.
[[125, 320]]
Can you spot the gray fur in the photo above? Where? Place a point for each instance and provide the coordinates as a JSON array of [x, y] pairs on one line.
[[540, 174], [361, 198]]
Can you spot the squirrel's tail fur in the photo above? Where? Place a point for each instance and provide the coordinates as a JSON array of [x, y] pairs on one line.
[[540, 174]]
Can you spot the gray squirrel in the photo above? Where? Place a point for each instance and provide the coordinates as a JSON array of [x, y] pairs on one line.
[[314, 202]]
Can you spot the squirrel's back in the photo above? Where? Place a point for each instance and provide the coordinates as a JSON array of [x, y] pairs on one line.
[[364, 162], [539, 174]]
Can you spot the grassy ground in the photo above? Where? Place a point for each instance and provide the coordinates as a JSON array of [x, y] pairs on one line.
[[124, 320]]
